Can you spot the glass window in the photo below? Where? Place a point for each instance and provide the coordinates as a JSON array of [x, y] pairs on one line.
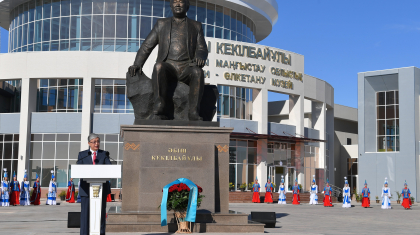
[[192, 12], [55, 20], [38, 12], [158, 8], [55, 5], [134, 7], [65, 28], [210, 13], [122, 27], [86, 26], [76, 7], [61, 172], [75, 27], [97, 27], [45, 177], [201, 12], [146, 8], [122, 7], [35, 168], [110, 7], [387, 121], [146, 26], [133, 27], [46, 30], [65, 7], [87, 7]]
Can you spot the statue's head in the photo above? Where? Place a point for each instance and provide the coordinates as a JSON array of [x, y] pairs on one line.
[[180, 7]]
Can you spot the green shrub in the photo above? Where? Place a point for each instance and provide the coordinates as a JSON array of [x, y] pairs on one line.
[[62, 194]]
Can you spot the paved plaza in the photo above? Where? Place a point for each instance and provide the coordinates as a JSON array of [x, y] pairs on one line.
[[303, 219]]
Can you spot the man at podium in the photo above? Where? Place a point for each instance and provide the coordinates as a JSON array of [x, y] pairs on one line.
[[92, 156]]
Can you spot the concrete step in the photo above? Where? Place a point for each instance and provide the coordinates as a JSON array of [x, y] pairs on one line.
[[154, 227], [141, 217]]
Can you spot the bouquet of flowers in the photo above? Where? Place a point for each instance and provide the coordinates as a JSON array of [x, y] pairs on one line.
[[178, 195]]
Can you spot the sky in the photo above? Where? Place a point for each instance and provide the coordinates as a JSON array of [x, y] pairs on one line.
[[342, 38]]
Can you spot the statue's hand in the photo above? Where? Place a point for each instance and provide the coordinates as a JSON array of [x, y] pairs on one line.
[[133, 69], [200, 62]]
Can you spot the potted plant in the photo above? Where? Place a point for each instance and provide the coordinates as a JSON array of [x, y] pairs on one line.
[[412, 200], [178, 196], [62, 195], [231, 187], [243, 187], [399, 197], [76, 193], [377, 199], [250, 186], [274, 187], [301, 189]]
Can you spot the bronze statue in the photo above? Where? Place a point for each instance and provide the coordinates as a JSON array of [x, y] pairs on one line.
[[182, 55]]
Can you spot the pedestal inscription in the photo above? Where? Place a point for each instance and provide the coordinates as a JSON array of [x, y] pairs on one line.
[[157, 155]]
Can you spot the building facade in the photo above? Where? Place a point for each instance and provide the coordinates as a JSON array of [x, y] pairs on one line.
[[345, 146], [389, 129], [70, 59]]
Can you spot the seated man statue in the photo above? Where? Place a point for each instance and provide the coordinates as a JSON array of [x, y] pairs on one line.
[[182, 55]]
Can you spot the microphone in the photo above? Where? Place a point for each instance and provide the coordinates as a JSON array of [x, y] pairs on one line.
[[107, 155], [89, 154]]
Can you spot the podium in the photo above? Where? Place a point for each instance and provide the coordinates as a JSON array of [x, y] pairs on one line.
[[95, 176]]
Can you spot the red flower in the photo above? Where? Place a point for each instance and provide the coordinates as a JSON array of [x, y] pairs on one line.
[[182, 187]]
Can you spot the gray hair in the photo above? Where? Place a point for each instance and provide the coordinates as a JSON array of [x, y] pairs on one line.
[[92, 136]]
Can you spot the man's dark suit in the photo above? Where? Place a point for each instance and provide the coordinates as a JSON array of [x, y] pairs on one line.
[[85, 158]]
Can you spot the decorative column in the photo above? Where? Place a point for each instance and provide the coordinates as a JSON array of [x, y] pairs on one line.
[[87, 110], [260, 109], [27, 106]]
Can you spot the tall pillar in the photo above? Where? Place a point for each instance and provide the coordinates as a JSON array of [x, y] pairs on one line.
[[329, 130], [262, 155], [296, 114], [27, 106], [260, 109], [319, 123], [87, 110]]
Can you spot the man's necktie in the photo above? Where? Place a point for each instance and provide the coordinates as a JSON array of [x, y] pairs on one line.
[[94, 158]]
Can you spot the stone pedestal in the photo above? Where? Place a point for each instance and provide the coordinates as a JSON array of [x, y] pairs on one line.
[[154, 156]]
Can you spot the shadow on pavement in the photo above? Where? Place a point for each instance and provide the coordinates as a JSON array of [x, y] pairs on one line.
[[280, 215]]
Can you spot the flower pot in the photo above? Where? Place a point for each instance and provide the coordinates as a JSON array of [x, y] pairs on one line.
[[377, 201], [398, 201], [242, 189], [183, 226], [232, 189], [62, 198]]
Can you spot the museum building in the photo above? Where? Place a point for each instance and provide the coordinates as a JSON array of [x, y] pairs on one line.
[[64, 77]]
